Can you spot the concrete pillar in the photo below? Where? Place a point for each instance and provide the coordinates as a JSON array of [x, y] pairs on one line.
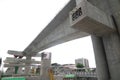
[[45, 66], [20, 71], [112, 49], [112, 42], [27, 67], [100, 58]]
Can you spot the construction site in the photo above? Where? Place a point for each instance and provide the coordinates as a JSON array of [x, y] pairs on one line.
[[99, 19]]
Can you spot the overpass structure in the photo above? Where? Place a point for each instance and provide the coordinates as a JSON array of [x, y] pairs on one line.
[[80, 18], [15, 67]]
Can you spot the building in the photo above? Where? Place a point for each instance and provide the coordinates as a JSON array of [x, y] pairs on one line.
[[63, 69], [70, 66], [82, 61]]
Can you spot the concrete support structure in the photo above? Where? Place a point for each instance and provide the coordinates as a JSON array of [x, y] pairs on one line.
[[16, 65], [20, 71], [27, 68], [112, 49], [107, 56], [95, 17], [111, 42], [100, 58], [45, 66]]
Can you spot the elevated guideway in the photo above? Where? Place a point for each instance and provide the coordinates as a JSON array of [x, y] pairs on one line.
[[70, 23]]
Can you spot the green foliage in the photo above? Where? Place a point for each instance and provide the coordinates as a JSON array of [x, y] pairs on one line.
[[55, 64], [79, 65]]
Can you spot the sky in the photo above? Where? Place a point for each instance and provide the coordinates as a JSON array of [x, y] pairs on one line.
[[22, 20]]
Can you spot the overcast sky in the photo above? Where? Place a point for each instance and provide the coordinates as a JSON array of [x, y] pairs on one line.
[[22, 20]]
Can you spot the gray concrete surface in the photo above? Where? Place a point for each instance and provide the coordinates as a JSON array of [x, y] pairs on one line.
[[27, 67], [100, 58], [112, 49], [45, 66], [92, 20], [112, 41]]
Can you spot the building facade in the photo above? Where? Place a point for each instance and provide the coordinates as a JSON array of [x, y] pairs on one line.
[[82, 61]]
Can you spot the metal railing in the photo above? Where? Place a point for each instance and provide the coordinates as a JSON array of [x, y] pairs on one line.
[[78, 72], [85, 74]]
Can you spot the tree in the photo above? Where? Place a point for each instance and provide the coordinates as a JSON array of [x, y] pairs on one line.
[[79, 65], [55, 64]]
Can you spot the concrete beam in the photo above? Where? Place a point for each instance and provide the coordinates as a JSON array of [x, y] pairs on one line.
[[57, 31], [37, 55], [88, 18], [61, 29], [22, 61], [13, 65], [16, 60], [12, 52]]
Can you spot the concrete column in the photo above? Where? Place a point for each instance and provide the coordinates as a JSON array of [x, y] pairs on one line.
[[27, 68], [112, 49], [100, 58], [45, 66], [20, 71]]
